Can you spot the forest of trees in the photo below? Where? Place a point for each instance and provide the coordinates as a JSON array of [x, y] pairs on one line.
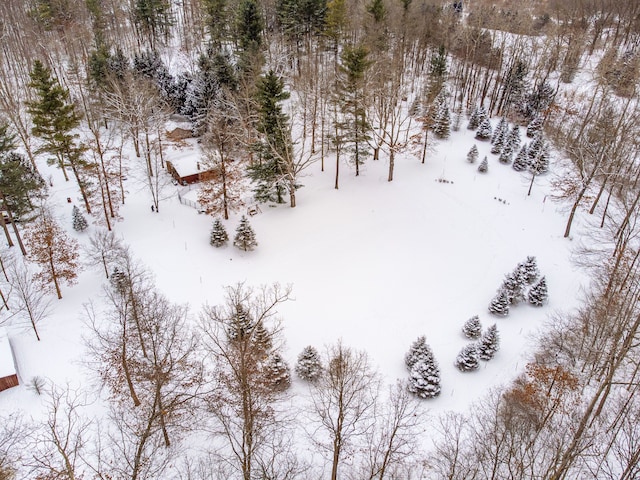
[[269, 87]]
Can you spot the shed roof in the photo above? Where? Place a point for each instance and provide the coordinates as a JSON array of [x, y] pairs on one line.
[[7, 366]]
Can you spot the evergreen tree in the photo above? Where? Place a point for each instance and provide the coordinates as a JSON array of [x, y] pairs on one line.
[[484, 165], [513, 285], [484, 130], [513, 87], [538, 154], [505, 156], [309, 366], [79, 221], [530, 270], [477, 116], [472, 328], [538, 293], [261, 338], [521, 162], [269, 174], [442, 125], [249, 26], [539, 100], [499, 135], [19, 182], [377, 10], [472, 156], [219, 236], [424, 378], [513, 139], [534, 126], [355, 127], [418, 352], [241, 324], [500, 304], [118, 281], [468, 358], [489, 344], [54, 119], [200, 94], [245, 238], [437, 72], [152, 19], [277, 372]]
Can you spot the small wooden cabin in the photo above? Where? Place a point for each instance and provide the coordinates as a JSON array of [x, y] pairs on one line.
[[8, 374]]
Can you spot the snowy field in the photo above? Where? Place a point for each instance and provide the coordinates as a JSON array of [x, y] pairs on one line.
[[375, 264]]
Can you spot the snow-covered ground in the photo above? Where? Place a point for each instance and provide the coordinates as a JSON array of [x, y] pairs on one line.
[[374, 263]]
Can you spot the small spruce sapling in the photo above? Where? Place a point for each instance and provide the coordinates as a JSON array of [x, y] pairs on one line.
[[472, 328], [513, 285], [309, 366], [245, 238], [538, 293], [484, 130], [472, 156], [79, 221], [489, 344], [468, 359], [500, 304], [499, 136], [484, 165], [219, 236], [477, 115]]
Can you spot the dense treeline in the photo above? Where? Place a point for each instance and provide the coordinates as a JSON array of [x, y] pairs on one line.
[[270, 87]]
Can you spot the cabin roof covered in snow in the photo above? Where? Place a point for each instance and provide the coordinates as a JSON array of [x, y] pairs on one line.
[[186, 160], [7, 366]]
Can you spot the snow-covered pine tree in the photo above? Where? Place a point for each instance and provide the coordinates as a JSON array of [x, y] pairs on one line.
[[484, 130], [245, 238], [499, 136], [457, 119], [530, 269], [513, 285], [468, 359], [538, 156], [521, 163], [277, 372], [472, 156], [534, 126], [513, 139], [79, 221], [118, 280], [240, 324], [500, 304], [219, 236], [477, 116], [418, 351], [505, 155], [484, 165], [472, 328], [424, 378], [442, 124], [309, 366], [261, 338], [489, 344], [538, 293]]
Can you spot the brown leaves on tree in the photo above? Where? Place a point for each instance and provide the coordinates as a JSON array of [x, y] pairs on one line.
[[54, 251]]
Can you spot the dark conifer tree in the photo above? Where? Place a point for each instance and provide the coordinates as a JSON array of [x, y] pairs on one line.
[[442, 123], [499, 135], [538, 293], [245, 238], [468, 359], [152, 19], [477, 116], [309, 365], [79, 221], [275, 146], [54, 119], [489, 344], [530, 269], [419, 351], [472, 328], [219, 236], [513, 285]]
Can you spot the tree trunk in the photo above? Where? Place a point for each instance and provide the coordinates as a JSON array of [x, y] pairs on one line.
[[6, 230], [52, 270]]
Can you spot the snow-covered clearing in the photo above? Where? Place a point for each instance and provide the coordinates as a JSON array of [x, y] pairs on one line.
[[374, 263]]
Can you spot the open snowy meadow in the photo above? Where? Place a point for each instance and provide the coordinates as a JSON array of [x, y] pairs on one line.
[[374, 264]]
